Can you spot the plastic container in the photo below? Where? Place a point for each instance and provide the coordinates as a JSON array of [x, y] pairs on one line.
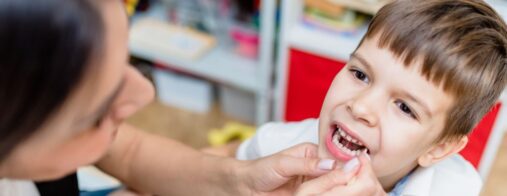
[[182, 91], [237, 104]]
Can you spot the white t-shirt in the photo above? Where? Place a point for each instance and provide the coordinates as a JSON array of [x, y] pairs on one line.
[[10, 187], [452, 176]]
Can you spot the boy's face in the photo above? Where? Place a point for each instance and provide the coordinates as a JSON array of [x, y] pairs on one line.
[[381, 105]]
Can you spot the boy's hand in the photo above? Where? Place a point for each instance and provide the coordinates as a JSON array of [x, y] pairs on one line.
[[360, 180]]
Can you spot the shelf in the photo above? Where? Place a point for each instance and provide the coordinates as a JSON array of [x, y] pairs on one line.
[[500, 7], [339, 47], [324, 43], [369, 7], [220, 64], [503, 97], [372, 7]]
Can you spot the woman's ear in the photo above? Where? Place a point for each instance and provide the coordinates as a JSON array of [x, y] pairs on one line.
[[442, 150]]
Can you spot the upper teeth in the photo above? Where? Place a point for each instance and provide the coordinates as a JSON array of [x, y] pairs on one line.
[[342, 134], [348, 137]]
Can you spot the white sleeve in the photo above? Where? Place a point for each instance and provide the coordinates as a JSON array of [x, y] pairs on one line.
[[247, 150], [250, 149], [456, 176], [277, 136], [451, 176]]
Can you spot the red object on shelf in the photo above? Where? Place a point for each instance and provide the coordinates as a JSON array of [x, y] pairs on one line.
[[309, 77], [480, 137]]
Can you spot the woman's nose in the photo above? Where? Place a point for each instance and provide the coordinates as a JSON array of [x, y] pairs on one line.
[[136, 94]]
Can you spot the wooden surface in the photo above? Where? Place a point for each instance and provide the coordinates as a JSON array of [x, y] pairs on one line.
[[496, 184], [191, 128], [188, 127]]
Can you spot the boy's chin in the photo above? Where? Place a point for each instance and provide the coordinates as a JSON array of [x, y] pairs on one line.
[[324, 154]]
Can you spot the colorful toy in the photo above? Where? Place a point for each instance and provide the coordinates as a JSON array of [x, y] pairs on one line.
[[247, 41], [231, 131], [131, 6]]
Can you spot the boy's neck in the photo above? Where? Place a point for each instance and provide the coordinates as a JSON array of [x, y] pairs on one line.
[[388, 182]]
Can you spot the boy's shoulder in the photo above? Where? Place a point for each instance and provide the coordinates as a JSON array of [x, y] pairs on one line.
[[452, 176], [273, 137]]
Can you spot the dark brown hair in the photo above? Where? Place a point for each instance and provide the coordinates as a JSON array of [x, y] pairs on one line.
[[461, 45], [45, 49]]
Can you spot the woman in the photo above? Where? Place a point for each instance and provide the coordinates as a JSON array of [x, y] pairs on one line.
[[65, 89]]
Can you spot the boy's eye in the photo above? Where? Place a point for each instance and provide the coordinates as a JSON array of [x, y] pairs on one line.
[[360, 75], [405, 109]]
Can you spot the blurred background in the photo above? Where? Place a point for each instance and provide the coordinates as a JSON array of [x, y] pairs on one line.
[[223, 67]]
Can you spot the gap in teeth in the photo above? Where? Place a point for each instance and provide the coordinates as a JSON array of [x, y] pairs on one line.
[[341, 134], [348, 137]]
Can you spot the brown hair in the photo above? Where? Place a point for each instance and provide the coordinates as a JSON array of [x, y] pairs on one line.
[[461, 45]]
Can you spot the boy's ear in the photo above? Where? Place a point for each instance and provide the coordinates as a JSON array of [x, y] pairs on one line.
[[441, 151]]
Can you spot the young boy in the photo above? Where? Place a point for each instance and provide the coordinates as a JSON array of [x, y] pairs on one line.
[[422, 77]]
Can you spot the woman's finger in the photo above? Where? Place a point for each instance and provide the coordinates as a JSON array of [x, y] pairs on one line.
[[365, 182], [366, 172], [304, 150], [327, 181], [288, 166]]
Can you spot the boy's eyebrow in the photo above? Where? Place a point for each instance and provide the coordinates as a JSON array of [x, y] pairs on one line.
[[422, 104], [359, 58]]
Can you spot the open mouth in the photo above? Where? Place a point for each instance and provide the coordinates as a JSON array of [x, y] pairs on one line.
[[344, 145]]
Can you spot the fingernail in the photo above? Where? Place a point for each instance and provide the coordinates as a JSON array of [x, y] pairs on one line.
[[351, 165], [351, 181], [326, 164], [365, 152]]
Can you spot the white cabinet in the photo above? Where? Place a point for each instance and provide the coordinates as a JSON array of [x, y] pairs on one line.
[[222, 65]]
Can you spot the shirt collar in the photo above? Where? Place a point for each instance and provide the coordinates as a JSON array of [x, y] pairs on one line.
[[419, 183]]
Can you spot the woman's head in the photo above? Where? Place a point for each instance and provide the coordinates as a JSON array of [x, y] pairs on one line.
[[65, 84]]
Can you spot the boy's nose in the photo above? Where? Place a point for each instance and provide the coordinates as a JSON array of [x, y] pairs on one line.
[[362, 108]]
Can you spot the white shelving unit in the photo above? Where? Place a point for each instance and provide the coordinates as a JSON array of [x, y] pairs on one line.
[[366, 6], [221, 64], [217, 65], [323, 43], [500, 6]]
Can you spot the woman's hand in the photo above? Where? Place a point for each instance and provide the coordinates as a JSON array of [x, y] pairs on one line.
[[351, 180], [281, 173]]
